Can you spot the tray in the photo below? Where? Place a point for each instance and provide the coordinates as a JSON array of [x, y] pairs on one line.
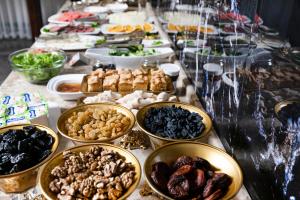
[[84, 85]]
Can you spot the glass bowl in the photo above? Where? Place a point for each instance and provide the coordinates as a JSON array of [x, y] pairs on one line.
[[37, 65]]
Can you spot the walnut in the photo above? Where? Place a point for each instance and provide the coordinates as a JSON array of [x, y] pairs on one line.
[[127, 179], [60, 172], [110, 169], [96, 174], [55, 186]]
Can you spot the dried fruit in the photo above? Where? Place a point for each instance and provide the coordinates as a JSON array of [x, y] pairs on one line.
[[192, 179], [21, 149], [173, 122]]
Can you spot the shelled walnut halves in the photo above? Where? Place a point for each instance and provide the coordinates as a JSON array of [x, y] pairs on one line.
[[96, 174]]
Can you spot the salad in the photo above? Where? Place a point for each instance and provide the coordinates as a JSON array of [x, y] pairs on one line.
[[133, 50], [38, 65]]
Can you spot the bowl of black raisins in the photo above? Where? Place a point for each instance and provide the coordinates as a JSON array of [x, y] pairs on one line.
[[23, 149], [173, 122]]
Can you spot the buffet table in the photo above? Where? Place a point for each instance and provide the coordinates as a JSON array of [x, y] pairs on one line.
[[185, 91]]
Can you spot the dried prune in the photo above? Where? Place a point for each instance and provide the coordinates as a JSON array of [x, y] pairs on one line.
[[178, 187], [183, 160], [201, 163], [216, 195], [184, 170], [218, 181], [21, 149], [160, 175], [173, 122], [192, 179], [200, 179]]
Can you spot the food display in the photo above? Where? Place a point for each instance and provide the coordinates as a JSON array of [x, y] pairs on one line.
[[20, 109], [73, 15], [37, 65], [126, 80], [94, 124], [130, 17], [98, 173], [133, 51], [127, 28], [134, 100], [79, 29], [209, 29], [22, 149], [190, 178], [173, 122]]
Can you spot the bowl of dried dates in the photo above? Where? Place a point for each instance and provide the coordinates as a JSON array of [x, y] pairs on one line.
[[23, 149], [91, 171], [191, 170], [173, 122]]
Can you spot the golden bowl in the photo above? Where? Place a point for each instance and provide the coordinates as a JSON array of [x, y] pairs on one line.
[[45, 173], [215, 156], [282, 104], [104, 106], [23, 180], [156, 140]]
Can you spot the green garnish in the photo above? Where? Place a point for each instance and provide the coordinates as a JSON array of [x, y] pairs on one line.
[[133, 50], [157, 43], [46, 30], [101, 41], [95, 24], [190, 43]]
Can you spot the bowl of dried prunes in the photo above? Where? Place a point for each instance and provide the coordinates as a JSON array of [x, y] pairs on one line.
[[173, 122], [191, 170], [23, 149]]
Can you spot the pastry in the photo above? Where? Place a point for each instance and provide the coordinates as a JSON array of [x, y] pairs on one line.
[[111, 72], [140, 83], [94, 84], [111, 83], [99, 72], [125, 85], [138, 72]]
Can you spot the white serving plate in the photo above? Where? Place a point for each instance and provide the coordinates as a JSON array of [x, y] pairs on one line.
[[192, 43], [54, 19], [133, 62], [80, 42], [96, 9], [66, 78], [104, 29], [117, 7], [149, 43], [48, 26]]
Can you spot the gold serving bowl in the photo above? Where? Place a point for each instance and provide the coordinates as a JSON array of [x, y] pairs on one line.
[[215, 156], [156, 140], [282, 104], [103, 106], [23, 180], [45, 173]]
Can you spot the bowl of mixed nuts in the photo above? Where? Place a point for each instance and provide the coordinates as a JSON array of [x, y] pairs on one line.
[[191, 170], [90, 171], [97, 122]]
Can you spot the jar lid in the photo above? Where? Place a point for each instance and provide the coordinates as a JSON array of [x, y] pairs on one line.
[[170, 69]]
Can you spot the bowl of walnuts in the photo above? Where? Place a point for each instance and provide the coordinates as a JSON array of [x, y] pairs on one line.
[[97, 122], [90, 171]]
